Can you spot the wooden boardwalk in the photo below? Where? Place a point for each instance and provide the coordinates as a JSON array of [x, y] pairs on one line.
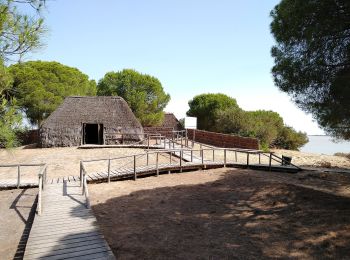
[[66, 229]]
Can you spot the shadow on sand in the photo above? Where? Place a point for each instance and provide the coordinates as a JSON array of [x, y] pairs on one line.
[[236, 217]]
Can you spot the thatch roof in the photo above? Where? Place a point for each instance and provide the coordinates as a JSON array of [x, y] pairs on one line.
[[170, 120], [64, 126], [111, 110]]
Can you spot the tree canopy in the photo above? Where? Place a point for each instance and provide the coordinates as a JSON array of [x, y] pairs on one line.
[[143, 93], [312, 59], [221, 113], [206, 107], [20, 32], [41, 86]]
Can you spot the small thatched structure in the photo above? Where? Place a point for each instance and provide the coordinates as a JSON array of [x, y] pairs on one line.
[[89, 120], [171, 121]]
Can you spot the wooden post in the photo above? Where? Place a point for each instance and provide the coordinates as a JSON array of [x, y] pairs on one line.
[[157, 168], [225, 158], [181, 161], [81, 173], [247, 159], [39, 195], [202, 156], [135, 176], [109, 170], [18, 176], [270, 162]]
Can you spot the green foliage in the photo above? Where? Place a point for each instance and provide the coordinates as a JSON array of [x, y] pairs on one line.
[[10, 122], [19, 32], [290, 139], [40, 87], [10, 118], [143, 93], [312, 59], [206, 107], [220, 113]]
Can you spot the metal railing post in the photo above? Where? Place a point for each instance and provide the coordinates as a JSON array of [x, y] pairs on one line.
[[270, 162], [171, 157], [109, 170], [135, 176], [235, 155], [213, 155], [247, 159], [181, 142], [157, 168], [164, 143], [18, 176], [259, 158], [147, 141], [191, 155], [147, 159]]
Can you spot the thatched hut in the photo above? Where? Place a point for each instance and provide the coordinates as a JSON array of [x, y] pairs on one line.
[[171, 121], [89, 120]]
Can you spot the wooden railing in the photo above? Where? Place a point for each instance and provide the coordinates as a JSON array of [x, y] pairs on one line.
[[42, 181], [218, 156], [42, 175], [83, 184], [19, 167]]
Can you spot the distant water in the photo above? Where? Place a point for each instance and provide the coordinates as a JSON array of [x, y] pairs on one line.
[[325, 144]]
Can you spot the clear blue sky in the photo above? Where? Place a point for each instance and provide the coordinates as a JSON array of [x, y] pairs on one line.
[[191, 46]]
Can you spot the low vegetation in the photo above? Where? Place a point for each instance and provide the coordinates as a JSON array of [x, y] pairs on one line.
[[220, 113]]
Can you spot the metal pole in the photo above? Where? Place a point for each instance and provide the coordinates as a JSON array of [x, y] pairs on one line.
[[191, 155], [259, 159], [147, 158], [147, 141], [247, 159], [181, 142], [164, 143], [236, 156], [109, 170], [213, 155], [135, 176], [157, 169], [270, 163], [171, 157], [202, 156], [18, 176], [122, 138]]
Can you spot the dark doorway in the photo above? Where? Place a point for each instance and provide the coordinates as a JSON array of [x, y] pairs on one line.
[[93, 134]]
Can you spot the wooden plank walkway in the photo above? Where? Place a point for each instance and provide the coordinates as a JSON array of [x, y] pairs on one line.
[[66, 229]]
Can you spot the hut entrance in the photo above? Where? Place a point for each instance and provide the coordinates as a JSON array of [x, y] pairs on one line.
[[93, 134]]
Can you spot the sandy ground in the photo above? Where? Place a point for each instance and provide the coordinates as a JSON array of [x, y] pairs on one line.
[[315, 160], [226, 214], [65, 161], [15, 208]]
